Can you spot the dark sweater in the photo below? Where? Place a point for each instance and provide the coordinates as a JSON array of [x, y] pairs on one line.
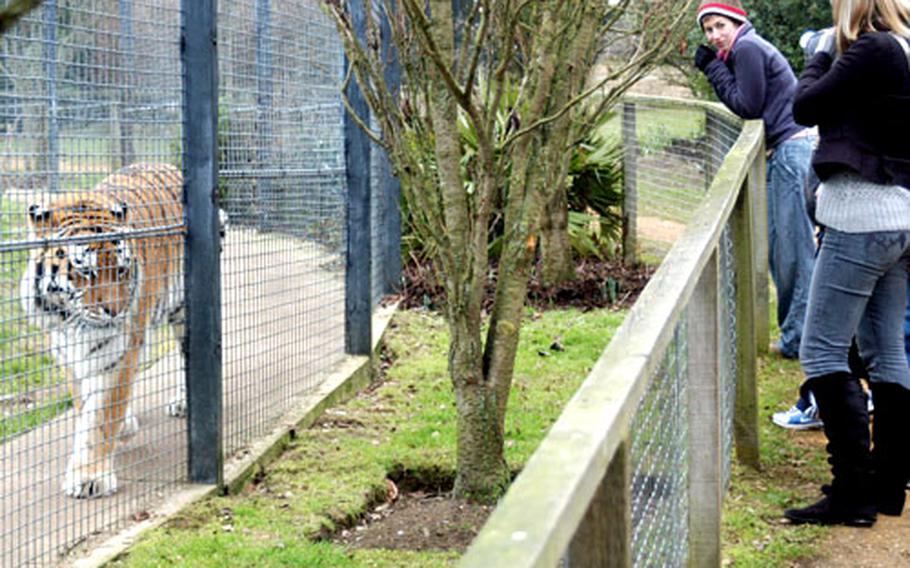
[[861, 105], [757, 82]]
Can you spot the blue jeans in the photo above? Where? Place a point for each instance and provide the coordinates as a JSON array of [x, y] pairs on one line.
[[791, 250], [859, 286], [907, 324]]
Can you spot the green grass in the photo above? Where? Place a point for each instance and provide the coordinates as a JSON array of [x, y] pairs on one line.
[[29, 419], [332, 472], [793, 468], [657, 128]]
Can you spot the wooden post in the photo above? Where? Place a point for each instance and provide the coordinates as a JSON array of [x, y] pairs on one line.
[[714, 152], [630, 184], [758, 194], [604, 536], [705, 429], [745, 419]]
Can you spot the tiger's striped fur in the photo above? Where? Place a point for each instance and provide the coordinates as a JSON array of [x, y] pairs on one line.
[[99, 300]]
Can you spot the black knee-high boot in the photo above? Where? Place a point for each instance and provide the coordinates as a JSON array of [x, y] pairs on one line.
[[848, 500], [890, 446]]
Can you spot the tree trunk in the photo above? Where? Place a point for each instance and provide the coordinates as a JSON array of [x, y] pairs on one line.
[[557, 264]]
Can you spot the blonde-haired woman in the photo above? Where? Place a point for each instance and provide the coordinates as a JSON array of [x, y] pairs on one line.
[[861, 104]]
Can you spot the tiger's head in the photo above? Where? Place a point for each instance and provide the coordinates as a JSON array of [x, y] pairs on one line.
[[75, 276]]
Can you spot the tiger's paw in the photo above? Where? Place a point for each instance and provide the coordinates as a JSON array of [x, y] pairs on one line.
[[177, 407], [82, 483]]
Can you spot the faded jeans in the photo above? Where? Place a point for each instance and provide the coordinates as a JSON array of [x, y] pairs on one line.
[[907, 324], [859, 286], [791, 249]]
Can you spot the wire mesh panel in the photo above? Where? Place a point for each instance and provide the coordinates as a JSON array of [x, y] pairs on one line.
[[672, 153], [727, 336], [281, 154], [659, 463], [91, 269]]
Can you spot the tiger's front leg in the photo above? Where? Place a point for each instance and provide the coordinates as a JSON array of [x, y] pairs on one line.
[[105, 414], [90, 471]]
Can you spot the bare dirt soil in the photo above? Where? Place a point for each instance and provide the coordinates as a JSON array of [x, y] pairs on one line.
[[597, 284], [418, 521]]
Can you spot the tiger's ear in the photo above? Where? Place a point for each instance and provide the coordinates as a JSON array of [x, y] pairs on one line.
[[118, 210], [38, 214]]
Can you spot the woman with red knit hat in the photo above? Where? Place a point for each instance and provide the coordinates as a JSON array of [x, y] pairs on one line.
[[753, 79]]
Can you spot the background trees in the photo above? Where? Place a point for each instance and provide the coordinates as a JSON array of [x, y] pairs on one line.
[[517, 76]]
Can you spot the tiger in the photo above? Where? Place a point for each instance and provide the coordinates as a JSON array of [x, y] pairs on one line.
[[99, 294]]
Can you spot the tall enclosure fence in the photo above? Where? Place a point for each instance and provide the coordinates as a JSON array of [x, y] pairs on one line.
[[116, 286], [634, 471]]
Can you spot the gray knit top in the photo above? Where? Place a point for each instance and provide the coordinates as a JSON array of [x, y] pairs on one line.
[[852, 204]]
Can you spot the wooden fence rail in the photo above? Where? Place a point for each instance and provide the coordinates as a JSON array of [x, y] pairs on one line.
[[572, 502]]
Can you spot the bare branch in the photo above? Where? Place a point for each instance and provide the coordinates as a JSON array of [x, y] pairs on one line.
[[15, 11]]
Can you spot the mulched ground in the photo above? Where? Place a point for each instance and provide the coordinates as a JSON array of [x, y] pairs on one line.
[[414, 518], [597, 284], [418, 521]]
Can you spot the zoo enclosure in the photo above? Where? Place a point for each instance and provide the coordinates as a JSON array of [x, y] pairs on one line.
[[311, 245], [634, 471]]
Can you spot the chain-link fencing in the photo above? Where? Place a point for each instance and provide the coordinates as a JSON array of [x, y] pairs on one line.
[[635, 468], [676, 151]]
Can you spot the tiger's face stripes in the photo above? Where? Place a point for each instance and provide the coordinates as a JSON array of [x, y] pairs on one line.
[[91, 278], [98, 292]]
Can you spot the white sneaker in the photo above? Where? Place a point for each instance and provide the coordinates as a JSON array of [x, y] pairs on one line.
[[797, 419]]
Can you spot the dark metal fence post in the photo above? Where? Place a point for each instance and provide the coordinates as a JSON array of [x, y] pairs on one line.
[[268, 201], [392, 187], [358, 299], [460, 11], [52, 131], [122, 121], [203, 275]]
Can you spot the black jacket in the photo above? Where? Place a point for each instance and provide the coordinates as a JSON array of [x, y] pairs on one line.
[[861, 105]]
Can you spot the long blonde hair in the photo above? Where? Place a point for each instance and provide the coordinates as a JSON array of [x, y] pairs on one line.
[[854, 17]]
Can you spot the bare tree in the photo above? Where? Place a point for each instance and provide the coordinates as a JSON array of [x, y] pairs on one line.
[[14, 11], [533, 58]]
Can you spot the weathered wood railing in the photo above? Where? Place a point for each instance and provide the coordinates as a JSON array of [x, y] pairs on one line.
[[572, 503]]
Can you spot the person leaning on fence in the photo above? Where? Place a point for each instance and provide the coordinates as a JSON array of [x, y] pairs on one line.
[[861, 104], [753, 79]]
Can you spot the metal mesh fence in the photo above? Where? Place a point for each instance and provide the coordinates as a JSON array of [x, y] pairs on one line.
[[91, 153], [671, 153], [727, 337], [282, 184], [659, 463], [91, 265]]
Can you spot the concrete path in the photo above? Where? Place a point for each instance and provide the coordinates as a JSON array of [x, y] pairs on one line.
[[283, 322]]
